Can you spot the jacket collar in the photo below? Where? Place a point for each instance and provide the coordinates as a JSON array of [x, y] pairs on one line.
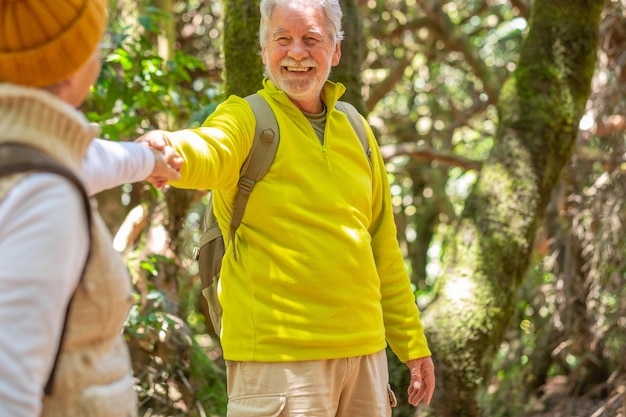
[[331, 92]]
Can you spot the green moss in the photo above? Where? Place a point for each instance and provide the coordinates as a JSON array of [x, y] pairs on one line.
[[243, 67]]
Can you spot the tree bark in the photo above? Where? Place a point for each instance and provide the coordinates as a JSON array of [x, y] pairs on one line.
[[348, 71], [539, 110], [243, 67]]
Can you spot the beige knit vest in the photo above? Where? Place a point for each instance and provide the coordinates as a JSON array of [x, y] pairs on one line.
[[93, 378], [94, 374]]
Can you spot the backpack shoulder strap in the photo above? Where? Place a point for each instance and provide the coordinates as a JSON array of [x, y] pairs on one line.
[[16, 158], [357, 124], [264, 145]]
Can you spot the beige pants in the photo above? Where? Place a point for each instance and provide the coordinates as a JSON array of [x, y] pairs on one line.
[[350, 387]]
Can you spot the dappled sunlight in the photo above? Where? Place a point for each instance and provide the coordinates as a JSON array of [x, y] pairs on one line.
[[460, 290]]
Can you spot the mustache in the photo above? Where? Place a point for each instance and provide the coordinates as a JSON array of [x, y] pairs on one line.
[[288, 62]]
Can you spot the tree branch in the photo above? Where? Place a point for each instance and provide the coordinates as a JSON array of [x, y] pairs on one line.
[[423, 154]]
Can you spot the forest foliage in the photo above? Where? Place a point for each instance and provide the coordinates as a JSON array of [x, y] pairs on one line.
[[431, 77]]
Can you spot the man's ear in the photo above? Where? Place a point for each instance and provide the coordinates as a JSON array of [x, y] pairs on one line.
[[336, 54]]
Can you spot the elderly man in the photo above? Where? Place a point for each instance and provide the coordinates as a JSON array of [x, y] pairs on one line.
[[313, 284]]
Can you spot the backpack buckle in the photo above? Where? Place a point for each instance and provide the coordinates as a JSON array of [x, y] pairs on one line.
[[246, 184]]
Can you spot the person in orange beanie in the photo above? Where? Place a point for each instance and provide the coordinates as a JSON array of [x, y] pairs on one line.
[[51, 255]]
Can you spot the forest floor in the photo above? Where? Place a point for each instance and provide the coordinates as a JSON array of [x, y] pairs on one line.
[[557, 403]]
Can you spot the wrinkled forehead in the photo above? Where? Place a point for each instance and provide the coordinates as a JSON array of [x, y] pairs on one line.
[[295, 18]]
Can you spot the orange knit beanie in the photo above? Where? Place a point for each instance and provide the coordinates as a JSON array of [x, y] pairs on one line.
[[43, 42]]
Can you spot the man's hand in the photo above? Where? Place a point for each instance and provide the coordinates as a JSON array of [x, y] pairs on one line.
[[422, 380], [167, 162]]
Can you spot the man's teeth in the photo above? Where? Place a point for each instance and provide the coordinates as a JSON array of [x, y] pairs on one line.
[[298, 69]]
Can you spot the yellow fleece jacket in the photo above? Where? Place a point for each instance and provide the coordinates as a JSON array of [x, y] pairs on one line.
[[318, 272]]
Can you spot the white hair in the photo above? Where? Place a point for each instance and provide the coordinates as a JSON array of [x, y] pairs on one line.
[[330, 7]]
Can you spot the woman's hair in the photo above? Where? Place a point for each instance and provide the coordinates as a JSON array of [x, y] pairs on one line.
[[331, 8]]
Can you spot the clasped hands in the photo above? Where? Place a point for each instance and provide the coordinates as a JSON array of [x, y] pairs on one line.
[[167, 162]]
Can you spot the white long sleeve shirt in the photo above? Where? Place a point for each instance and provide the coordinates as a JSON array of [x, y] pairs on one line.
[[109, 164], [40, 206]]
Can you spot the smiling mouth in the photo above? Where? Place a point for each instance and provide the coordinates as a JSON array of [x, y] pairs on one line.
[[298, 69]]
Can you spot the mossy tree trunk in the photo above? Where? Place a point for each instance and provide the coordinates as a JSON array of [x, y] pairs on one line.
[[539, 109], [242, 60], [348, 71]]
